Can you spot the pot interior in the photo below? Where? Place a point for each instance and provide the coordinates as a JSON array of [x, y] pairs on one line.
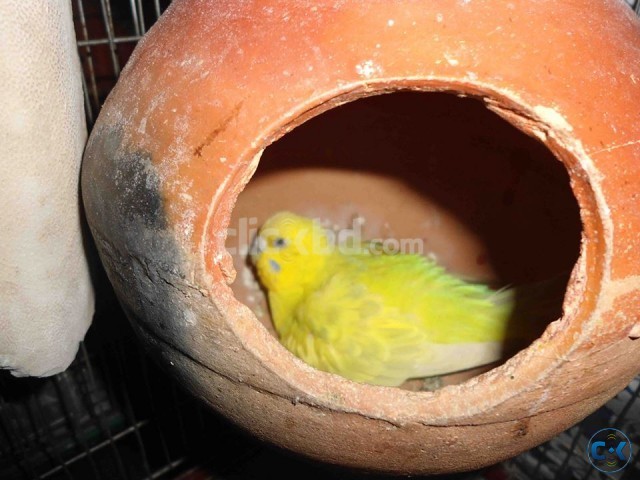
[[432, 173]]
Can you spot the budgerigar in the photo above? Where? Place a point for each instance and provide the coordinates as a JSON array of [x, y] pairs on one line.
[[374, 318]]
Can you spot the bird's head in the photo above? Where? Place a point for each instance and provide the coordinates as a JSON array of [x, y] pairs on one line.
[[290, 252]]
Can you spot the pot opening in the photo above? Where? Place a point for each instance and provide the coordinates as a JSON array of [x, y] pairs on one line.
[[433, 174]]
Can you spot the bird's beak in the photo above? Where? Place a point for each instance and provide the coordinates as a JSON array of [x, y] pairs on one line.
[[258, 246]]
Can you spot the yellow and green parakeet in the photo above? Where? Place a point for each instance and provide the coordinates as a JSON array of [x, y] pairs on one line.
[[374, 318]]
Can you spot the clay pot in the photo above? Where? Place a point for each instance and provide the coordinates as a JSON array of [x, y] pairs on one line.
[[215, 83]]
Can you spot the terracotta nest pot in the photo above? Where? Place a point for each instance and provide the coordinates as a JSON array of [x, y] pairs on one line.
[[507, 141]]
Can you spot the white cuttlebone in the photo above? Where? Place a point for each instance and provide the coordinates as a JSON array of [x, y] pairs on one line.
[[46, 296]]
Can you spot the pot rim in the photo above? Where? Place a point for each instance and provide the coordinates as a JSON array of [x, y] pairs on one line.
[[524, 371]]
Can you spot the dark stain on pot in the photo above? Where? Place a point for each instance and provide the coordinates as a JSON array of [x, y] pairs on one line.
[[123, 195], [218, 130], [127, 190], [138, 190]]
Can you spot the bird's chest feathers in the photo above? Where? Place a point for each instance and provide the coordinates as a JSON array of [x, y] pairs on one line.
[[283, 308], [290, 292]]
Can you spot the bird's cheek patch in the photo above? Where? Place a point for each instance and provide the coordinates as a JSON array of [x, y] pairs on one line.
[[275, 266]]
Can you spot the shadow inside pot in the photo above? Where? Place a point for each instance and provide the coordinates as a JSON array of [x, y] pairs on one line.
[[439, 173]]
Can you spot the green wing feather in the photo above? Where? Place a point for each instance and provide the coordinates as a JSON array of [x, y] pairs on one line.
[[385, 318]]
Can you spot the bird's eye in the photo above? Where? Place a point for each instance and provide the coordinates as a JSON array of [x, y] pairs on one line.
[[279, 242]]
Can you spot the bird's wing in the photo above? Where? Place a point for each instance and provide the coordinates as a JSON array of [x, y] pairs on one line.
[[452, 311], [344, 328], [383, 320]]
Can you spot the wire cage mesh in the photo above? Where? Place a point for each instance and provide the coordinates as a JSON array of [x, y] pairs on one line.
[[115, 415]]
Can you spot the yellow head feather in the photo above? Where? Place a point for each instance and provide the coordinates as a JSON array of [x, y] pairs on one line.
[[290, 252]]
